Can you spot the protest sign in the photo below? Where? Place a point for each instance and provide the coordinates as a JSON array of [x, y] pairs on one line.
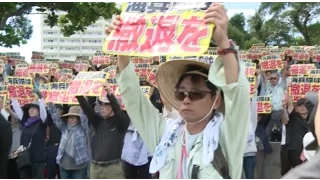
[[161, 28], [111, 71], [313, 72], [13, 60], [300, 55], [58, 94], [39, 68], [279, 52], [242, 55], [271, 62], [250, 72], [258, 45], [151, 79], [142, 70], [66, 64], [37, 56], [20, 89], [299, 86], [87, 83], [264, 104], [44, 89], [81, 65], [63, 72], [254, 54], [52, 60], [316, 55], [101, 58], [142, 60], [300, 69], [4, 90]]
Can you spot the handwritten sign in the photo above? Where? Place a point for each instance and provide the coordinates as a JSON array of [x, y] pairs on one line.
[[58, 94], [63, 72], [161, 28], [271, 62], [39, 68], [87, 84], [254, 54], [142, 70], [264, 105], [20, 89], [300, 69], [299, 86]]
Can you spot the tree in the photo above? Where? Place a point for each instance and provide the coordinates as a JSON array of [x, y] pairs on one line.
[[16, 28], [297, 15]]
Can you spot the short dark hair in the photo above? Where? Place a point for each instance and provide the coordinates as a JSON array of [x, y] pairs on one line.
[[195, 78]]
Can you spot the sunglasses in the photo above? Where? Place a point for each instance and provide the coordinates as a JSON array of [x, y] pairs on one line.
[[192, 95]]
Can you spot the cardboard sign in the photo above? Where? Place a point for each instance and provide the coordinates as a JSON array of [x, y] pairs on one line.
[[300, 69], [81, 65], [101, 58], [58, 94], [66, 64], [313, 72], [264, 104], [20, 89], [299, 86], [161, 28], [300, 55], [87, 84], [44, 89], [142, 60]]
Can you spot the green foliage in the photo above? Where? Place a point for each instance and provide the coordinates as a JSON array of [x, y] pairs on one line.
[[16, 29]]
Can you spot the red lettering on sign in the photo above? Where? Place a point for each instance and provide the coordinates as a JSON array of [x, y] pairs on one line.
[[266, 106], [74, 87], [28, 91], [306, 88], [126, 39], [20, 92], [192, 33], [264, 65], [162, 34], [96, 87], [295, 89], [259, 107], [273, 64], [12, 91], [315, 87]]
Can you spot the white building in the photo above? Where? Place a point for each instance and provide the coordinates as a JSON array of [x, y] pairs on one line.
[[56, 46]]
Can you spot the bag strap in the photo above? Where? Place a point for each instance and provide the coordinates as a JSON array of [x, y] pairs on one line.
[[220, 164], [33, 132]]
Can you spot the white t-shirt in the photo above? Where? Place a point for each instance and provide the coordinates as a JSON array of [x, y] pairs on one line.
[[283, 136], [307, 139]]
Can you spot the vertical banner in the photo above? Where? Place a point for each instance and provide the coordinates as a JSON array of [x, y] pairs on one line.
[[264, 105], [20, 89], [87, 83], [161, 28], [250, 72]]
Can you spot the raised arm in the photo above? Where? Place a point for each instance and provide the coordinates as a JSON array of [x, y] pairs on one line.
[[84, 122], [144, 116], [17, 109], [55, 117], [88, 111], [42, 106], [227, 74], [123, 121]]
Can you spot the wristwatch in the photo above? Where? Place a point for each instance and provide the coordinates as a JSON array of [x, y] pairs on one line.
[[228, 50]]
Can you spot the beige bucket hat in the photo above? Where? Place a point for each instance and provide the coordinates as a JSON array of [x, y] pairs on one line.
[[168, 75], [73, 111]]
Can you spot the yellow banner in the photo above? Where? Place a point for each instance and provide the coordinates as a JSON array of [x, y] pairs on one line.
[[264, 105], [88, 83], [147, 30], [57, 94], [20, 89]]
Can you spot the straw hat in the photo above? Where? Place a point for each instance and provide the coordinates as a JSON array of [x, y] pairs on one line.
[[73, 111], [169, 73]]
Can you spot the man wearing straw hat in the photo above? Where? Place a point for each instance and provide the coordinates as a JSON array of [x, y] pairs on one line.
[[213, 102]]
